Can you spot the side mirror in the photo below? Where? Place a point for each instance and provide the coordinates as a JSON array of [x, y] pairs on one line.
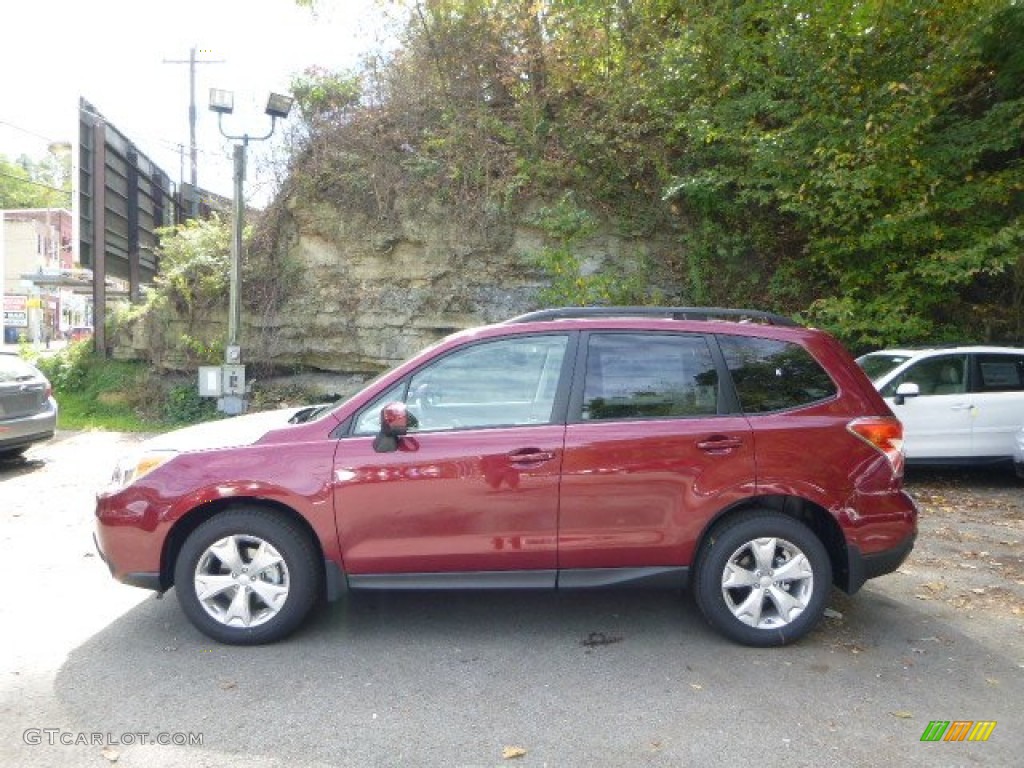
[[905, 390], [395, 421]]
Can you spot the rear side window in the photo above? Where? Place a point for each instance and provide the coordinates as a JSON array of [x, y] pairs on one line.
[[649, 376], [1000, 373], [772, 375]]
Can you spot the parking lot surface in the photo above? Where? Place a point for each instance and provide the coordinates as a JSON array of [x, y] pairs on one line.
[[93, 672]]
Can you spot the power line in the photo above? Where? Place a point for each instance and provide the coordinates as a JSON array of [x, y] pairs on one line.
[[29, 132], [36, 183]]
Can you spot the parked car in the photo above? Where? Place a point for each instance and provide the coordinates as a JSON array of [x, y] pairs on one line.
[[28, 412], [80, 333], [752, 461], [958, 405]]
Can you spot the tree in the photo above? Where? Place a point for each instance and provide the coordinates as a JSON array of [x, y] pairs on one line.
[[857, 162], [27, 183]]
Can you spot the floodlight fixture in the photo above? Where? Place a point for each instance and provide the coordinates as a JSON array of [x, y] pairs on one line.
[[279, 105], [221, 101]]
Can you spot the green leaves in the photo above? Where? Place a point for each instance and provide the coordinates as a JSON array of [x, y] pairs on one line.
[[858, 161], [194, 260]]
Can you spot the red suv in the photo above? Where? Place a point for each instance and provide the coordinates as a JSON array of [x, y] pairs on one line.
[[729, 450]]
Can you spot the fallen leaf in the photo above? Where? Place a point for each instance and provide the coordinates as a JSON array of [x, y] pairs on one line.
[[902, 714], [110, 754], [697, 686], [511, 753], [227, 685]]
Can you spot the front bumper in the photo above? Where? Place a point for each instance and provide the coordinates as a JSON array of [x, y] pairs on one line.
[[141, 579]]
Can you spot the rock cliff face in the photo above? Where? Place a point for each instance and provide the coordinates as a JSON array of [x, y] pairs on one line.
[[371, 293], [365, 293]]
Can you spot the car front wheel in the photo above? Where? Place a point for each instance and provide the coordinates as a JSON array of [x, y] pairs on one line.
[[763, 579], [247, 576]]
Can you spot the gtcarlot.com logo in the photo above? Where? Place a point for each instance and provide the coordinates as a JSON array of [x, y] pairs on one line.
[[60, 737], [958, 730]]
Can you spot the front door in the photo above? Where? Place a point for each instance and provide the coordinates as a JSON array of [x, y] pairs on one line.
[[937, 424], [473, 488]]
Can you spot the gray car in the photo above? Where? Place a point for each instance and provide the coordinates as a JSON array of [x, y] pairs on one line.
[[28, 412]]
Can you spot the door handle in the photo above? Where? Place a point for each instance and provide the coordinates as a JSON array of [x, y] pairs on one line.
[[530, 456], [961, 407], [719, 445]]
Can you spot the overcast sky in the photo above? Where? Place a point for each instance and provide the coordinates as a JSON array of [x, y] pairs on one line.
[[113, 52]]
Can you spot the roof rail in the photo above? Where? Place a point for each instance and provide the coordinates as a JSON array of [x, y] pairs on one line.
[[672, 313]]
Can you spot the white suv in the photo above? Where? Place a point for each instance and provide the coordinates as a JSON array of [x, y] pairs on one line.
[[958, 405]]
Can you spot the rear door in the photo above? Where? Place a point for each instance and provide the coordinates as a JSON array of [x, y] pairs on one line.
[[997, 399], [651, 452]]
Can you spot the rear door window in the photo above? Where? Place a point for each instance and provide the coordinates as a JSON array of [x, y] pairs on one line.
[[771, 375], [649, 376], [999, 373]]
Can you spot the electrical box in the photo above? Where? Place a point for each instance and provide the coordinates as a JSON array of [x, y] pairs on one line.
[[233, 380], [210, 381], [233, 355]]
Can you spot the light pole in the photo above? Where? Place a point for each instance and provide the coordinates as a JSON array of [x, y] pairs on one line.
[[232, 400]]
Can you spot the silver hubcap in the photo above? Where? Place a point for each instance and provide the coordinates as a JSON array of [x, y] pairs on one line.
[[242, 581], [767, 583]]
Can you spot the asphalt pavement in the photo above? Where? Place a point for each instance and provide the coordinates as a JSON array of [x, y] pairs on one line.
[[93, 672]]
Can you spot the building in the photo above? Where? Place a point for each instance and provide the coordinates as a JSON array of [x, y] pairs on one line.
[[39, 279]]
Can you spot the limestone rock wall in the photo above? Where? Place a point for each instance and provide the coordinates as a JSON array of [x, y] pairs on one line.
[[368, 293]]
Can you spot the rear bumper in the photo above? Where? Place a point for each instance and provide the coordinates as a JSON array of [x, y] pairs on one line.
[[863, 567], [26, 430]]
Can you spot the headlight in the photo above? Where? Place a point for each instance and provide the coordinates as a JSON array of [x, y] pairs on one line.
[[133, 466]]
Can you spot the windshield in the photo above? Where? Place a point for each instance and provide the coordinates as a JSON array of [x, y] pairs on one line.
[[878, 364]]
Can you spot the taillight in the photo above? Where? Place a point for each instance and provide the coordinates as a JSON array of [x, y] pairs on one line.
[[884, 434]]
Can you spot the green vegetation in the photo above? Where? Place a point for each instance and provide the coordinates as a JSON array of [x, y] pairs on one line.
[[28, 183], [185, 311], [122, 395], [859, 163]]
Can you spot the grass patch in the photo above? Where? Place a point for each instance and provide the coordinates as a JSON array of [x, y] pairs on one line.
[[125, 396], [81, 412]]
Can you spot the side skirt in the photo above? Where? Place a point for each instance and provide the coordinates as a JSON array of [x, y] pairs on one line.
[[672, 577]]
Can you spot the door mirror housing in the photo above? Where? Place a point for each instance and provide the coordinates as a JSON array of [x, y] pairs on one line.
[[395, 421], [905, 390]]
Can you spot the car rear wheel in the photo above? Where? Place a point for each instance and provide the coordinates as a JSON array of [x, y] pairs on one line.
[[763, 579], [247, 576]]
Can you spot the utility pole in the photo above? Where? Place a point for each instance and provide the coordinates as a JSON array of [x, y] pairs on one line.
[[194, 150]]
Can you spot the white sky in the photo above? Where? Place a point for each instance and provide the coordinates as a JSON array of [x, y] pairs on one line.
[[112, 53]]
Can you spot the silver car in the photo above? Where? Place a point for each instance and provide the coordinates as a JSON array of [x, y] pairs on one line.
[[28, 412]]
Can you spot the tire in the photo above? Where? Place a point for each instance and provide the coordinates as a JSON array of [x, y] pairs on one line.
[[738, 586], [247, 576]]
